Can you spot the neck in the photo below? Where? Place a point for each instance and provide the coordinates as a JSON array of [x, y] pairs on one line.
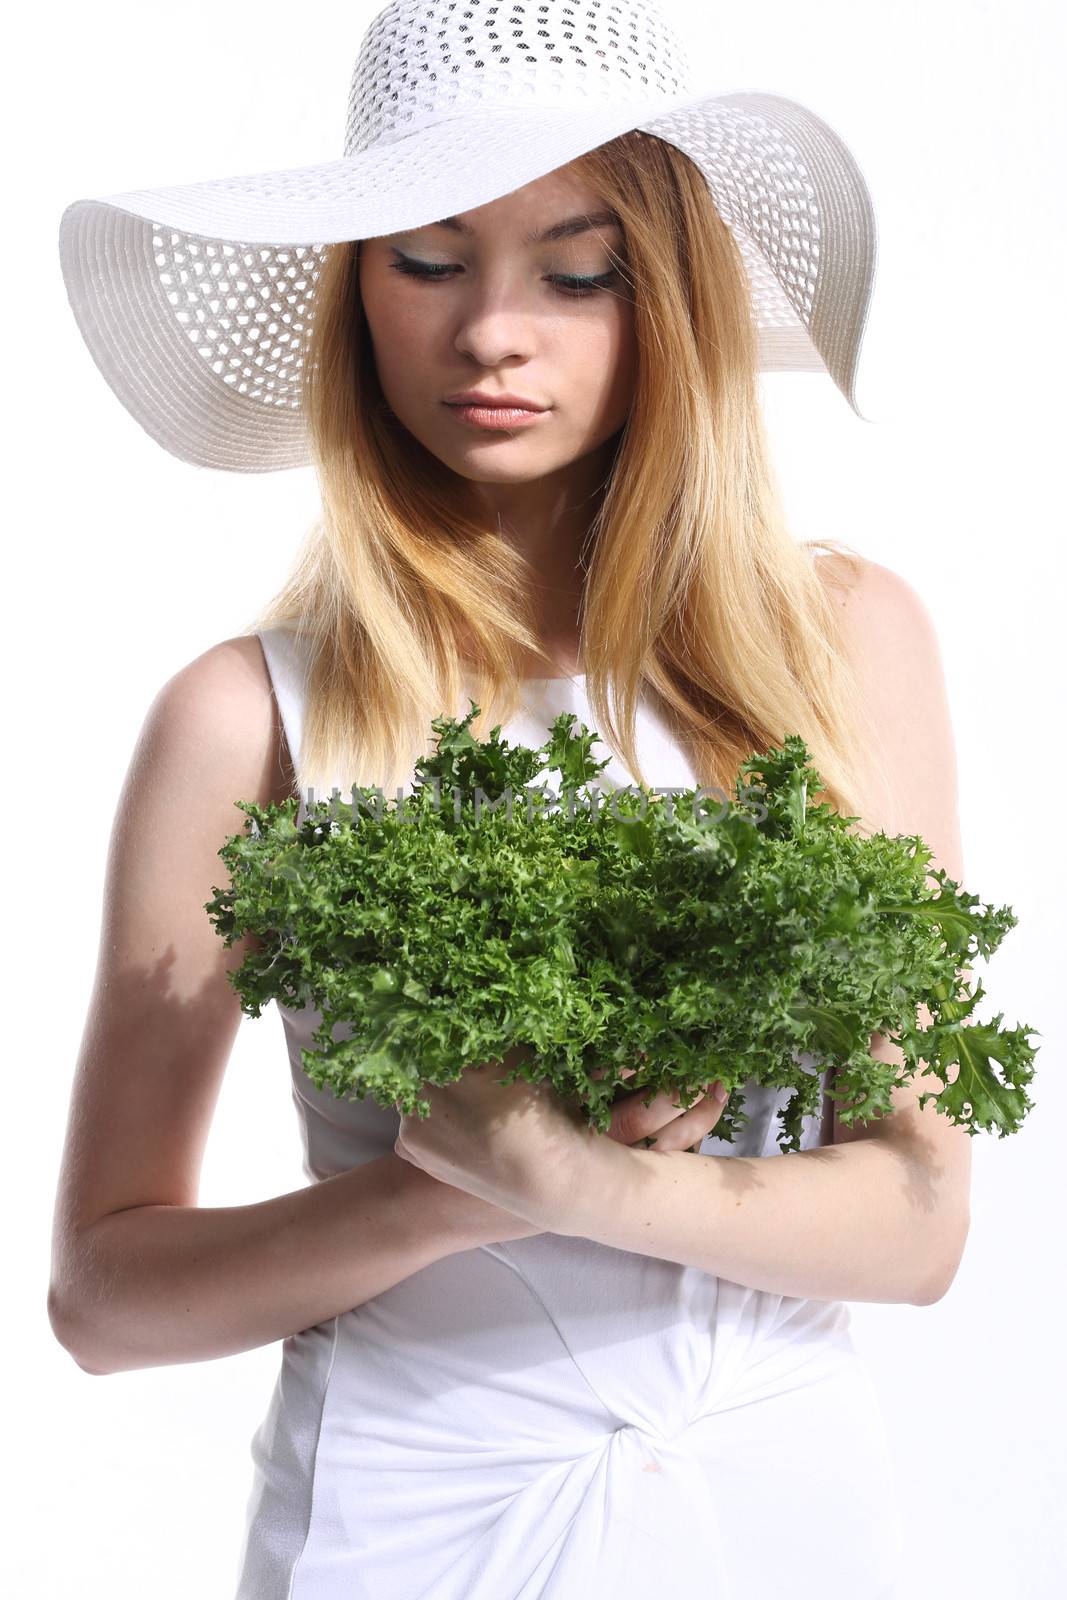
[[548, 521]]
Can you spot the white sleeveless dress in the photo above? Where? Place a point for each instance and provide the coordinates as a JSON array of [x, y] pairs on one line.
[[554, 1419]]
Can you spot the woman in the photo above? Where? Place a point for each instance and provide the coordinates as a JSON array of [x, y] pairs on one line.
[[518, 1362]]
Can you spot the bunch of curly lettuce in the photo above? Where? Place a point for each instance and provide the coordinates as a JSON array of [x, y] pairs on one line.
[[692, 940]]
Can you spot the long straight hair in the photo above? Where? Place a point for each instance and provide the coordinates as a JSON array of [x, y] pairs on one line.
[[694, 590]]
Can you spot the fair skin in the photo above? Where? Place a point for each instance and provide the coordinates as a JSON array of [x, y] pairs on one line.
[[494, 321], [141, 1274], [883, 1212], [500, 320]]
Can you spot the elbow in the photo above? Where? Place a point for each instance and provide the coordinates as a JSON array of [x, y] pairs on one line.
[[94, 1372], [947, 1256], [65, 1329]]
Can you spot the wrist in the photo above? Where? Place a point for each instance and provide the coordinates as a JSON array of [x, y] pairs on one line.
[[583, 1190], [446, 1218], [431, 1213]]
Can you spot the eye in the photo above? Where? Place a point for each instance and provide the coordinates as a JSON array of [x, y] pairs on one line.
[[565, 284]]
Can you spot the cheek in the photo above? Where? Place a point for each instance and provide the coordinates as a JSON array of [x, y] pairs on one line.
[[601, 357], [399, 328], [401, 338]]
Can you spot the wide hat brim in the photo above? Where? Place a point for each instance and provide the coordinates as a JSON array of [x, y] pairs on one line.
[[192, 299]]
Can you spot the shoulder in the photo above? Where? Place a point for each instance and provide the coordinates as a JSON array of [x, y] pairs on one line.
[[890, 639], [229, 680], [865, 590], [222, 704], [885, 626]]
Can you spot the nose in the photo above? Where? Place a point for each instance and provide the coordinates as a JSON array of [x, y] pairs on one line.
[[496, 320]]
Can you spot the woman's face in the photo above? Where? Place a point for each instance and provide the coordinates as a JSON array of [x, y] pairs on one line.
[[503, 317]]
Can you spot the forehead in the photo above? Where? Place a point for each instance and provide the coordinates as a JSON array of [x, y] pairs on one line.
[[556, 206], [565, 227]]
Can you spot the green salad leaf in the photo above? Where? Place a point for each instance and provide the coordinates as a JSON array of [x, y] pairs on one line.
[[689, 937]]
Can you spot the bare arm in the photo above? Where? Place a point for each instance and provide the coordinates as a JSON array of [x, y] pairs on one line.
[[883, 1213], [169, 1284], [141, 1276], [857, 1222]]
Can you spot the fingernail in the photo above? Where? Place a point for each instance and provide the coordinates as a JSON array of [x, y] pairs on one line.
[[720, 1093]]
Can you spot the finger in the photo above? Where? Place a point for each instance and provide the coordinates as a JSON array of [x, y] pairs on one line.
[[682, 1128], [686, 1132], [633, 1119]]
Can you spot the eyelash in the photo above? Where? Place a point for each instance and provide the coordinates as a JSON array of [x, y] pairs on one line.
[[578, 289]]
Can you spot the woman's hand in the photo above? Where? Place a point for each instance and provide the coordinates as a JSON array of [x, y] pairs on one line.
[[521, 1147], [505, 1143], [664, 1124]]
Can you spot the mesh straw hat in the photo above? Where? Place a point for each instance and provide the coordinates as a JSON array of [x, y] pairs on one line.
[[194, 300]]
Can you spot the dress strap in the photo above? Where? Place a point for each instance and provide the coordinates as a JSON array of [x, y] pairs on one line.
[[287, 664]]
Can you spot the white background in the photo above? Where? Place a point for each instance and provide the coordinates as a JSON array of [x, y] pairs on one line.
[[124, 563]]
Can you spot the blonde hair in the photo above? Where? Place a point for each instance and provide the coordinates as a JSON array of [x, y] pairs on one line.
[[694, 588]]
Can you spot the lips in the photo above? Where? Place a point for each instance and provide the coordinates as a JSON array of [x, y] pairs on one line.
[[503, 402]]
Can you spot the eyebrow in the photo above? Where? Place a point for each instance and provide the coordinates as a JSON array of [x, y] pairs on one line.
[[559, 230]]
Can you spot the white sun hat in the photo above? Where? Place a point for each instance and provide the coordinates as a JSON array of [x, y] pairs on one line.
[[194, 299]]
